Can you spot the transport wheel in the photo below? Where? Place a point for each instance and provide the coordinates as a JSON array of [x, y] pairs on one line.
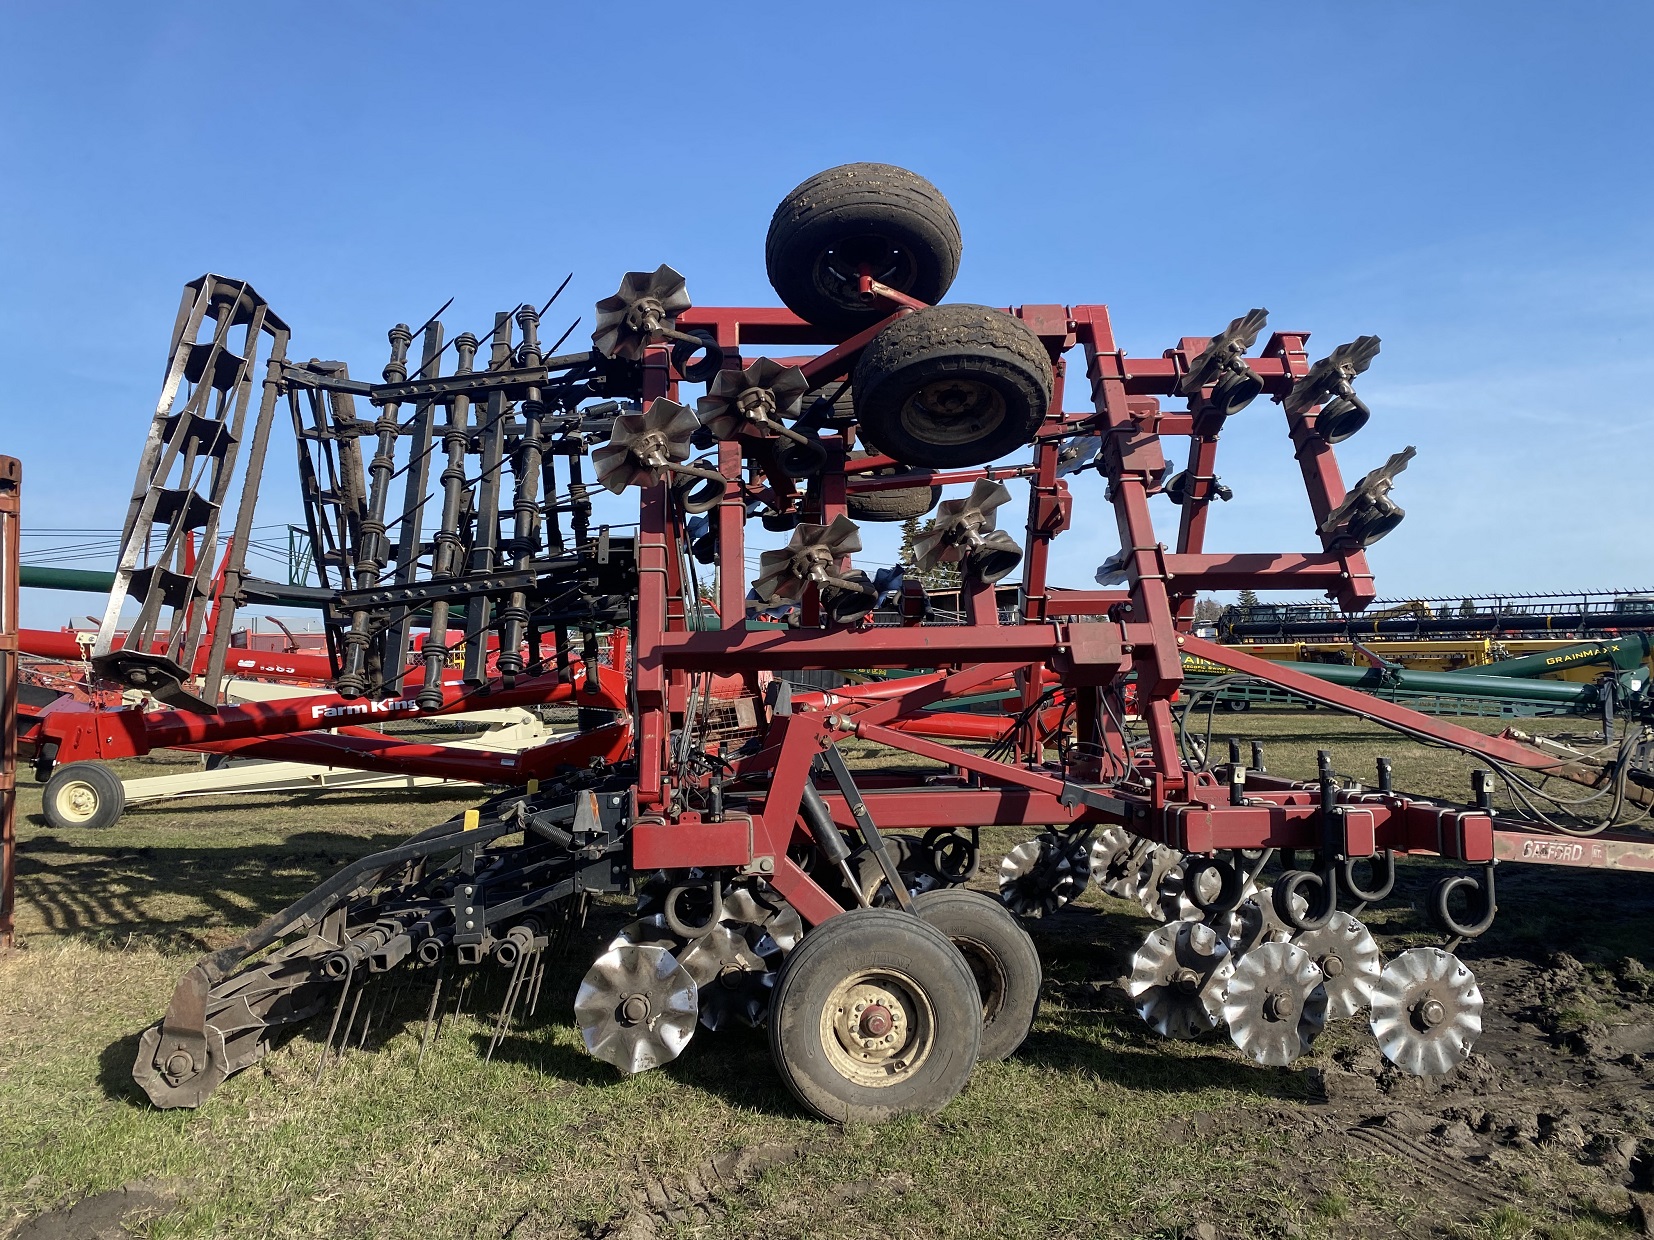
[[1001, 956], [875, 1015], [890, 220], [952, 386], [84, 794], [898, 505]]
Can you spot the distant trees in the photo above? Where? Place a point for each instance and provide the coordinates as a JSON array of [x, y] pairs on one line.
[[942, 577]]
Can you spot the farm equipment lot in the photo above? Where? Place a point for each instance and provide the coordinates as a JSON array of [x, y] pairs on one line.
[[1096, 1127]]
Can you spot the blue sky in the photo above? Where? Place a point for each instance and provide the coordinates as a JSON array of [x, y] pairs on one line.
[[1472, 182]]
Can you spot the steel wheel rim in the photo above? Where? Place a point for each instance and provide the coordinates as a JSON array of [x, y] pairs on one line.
[[856, 1047], [838, 270], [953, 410], [991, 982], [77, 801]]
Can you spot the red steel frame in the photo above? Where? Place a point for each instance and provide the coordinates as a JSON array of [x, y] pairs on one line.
[[11, 488], [1088, 641]]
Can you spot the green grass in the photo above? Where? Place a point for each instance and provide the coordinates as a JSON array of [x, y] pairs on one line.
[[1096, 1128]]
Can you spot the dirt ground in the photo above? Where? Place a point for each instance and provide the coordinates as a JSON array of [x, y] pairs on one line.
[[1096, 1128]]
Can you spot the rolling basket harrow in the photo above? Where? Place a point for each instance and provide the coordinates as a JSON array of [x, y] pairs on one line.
[[779, 882]]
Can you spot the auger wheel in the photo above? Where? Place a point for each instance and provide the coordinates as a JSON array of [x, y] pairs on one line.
[[875, 1015]]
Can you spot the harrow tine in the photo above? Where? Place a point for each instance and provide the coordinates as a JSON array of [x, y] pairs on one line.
[[378, 1010], [534, 988], [508, 1005], [344, 993], [430, 1015], [350, 1021]]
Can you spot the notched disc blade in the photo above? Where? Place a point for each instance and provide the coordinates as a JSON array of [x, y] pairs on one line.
[[1349, 961], [733, 980], [1255, 921], [1178, 978], [1121, 879], [1041, 875], [636, 1008], [1275, 1005], [1110, 849], [649, 931], [1159, 886], [1427, 1011]]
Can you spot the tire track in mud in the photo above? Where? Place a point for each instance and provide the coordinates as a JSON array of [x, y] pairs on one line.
[[695, 1197], [1436, 1167]]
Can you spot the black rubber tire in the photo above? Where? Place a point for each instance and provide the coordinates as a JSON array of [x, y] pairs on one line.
[[995, 358], [1001, 956], [861, 941], [83, 794], [889, 210], [902, 505]]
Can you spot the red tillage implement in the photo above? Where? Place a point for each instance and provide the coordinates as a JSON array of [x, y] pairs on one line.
[[778, 881]]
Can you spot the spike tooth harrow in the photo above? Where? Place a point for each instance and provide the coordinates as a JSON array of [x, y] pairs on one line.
[[773, 879]]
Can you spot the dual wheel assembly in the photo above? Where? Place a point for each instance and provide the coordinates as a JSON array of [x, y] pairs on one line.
[[941, 387], [879, 1013], [876, 1012]]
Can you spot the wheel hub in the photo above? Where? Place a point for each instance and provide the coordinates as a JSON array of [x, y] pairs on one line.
[[838, 274], [877, 1028], [876, 1021], [634, 1010], [953, 410], [645, 315], [1429, 1013], [872, 1024], [756, 403]]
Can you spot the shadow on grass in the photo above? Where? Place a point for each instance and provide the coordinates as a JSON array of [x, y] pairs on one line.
[[115, 1072], [91, 892], [1145, 1066]]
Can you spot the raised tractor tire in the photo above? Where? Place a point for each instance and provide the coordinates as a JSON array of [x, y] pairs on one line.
[[1001, 956], [948, 387], [891, 220], [901, 504], [84, 794], [875, 1014]]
